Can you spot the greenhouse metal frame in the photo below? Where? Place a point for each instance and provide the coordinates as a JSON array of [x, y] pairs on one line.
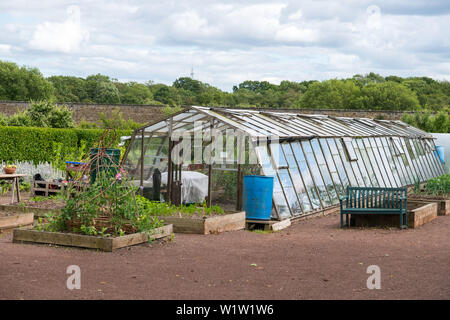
[[317, 156]]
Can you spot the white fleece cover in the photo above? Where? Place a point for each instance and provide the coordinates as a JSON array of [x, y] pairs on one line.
[[194, 186]]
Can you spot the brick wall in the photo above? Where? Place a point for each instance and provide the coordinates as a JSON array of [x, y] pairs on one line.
[[147, 113], [91, 112]]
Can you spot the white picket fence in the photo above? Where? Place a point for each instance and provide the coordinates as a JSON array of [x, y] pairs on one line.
[[45, 169]]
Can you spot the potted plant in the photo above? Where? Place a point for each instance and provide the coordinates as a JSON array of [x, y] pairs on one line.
[[9, 168]]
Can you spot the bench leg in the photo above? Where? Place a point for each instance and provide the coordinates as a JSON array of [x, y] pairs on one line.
[[342, 220], [403, 220], [346, 221]]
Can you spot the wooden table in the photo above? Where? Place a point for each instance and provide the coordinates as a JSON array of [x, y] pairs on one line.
[[15, 177]]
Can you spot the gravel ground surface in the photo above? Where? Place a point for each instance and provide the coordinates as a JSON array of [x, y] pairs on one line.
[[313, 259]]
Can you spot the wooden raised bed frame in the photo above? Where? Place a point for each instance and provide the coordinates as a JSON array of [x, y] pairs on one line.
[[419, 213], [209, 225], [38, 212], [22, 235], [443, 204], [18, 220]]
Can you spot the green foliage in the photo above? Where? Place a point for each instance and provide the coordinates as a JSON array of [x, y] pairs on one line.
[[48, 144], [332, 94], [388, 95], [116, 120], [155, 208], [46, 114], [438, 186], [416, 188], [370, 91], [41, 114], [106, 197], [134, 93], [23, 84], [167, 111], [439, 123]]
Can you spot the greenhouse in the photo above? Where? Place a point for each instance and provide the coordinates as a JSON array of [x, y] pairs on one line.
[[312, 158]]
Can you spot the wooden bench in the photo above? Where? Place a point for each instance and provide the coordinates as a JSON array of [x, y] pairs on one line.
[[46, 188], [374, 201]]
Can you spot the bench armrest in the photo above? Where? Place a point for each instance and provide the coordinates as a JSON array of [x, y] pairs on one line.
[[343, 198]]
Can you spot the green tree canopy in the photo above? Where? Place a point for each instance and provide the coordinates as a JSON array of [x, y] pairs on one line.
[[22, 84]]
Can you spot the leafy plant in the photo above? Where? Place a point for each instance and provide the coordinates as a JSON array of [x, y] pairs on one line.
[[154, 208], [416, 188], [438, 186]]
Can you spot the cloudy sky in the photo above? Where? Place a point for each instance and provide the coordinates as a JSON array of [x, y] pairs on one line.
[[227, 42]]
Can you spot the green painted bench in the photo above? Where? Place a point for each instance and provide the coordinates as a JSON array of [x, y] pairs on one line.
[[359, 200]]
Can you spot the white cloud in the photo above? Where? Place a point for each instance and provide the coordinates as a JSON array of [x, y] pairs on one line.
[[65, 37], [228, 41]]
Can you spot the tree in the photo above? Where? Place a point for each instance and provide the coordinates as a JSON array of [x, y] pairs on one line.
[[101, 89], [388, 95], [363, 80], [166, 94], [332, 94], [134, 93], [69, 89], [22, 84], [186, 83]]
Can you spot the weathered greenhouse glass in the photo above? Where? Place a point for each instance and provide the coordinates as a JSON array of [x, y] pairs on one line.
[[312, 159]]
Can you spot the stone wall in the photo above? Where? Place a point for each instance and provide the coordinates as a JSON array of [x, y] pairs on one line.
[[149, 113], [91, 112]]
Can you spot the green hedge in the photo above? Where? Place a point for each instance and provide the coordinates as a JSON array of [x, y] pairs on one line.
[[40, 144]]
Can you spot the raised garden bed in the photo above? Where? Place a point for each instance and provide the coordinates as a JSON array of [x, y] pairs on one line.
[[24, 208], [230, 221], [22, 235], [419, 213], [443, 202], [12, 219]]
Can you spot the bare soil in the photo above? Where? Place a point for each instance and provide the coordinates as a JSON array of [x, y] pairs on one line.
[[427, 196], [45, 204], [313, 259], [5, 213]]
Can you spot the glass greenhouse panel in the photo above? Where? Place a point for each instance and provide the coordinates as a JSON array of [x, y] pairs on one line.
[[290, 193], [324, 171], [323, 193], [384, 162], [396, 156], [277, 155], [348, 167], [297, 180], [349, 149], [413, 158], [395, 171], [404, 156], [361, 165], [380, 164], [279, 199], [372, 155], [417, 147], [332, 167], [306, 175], [429, 148], [365, 159], [338, 162], [268, 170]]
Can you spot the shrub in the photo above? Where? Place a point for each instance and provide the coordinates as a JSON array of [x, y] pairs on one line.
[[47, 144]]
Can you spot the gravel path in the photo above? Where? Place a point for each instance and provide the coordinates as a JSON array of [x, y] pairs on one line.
[[313, 259]]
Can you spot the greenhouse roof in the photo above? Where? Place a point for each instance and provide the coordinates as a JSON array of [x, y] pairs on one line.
[[259, 123]]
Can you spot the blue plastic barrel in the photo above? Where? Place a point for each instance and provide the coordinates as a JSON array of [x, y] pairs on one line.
[[440, 152], [257, 197]]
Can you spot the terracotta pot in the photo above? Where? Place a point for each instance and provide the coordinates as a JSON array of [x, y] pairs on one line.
[[9, 170]]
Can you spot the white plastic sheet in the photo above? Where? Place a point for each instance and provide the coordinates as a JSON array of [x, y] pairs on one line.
[[194, 187]]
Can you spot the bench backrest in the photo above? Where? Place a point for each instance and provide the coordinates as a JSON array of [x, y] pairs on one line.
[[385, 198]]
